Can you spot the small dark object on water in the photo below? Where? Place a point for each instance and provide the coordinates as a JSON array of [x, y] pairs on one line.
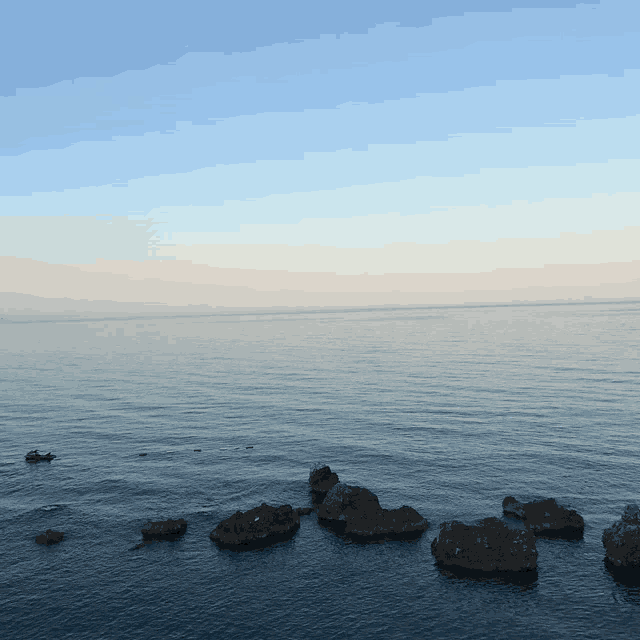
[[50, 537], [34, 456], [142, 545], [197, 449], [248, 447], [164, 529], [142, 454]]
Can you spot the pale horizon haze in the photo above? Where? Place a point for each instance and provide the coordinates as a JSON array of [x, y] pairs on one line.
[[405, 154]]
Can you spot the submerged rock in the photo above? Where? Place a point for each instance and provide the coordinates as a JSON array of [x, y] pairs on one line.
[[622, 539], [356, 513], [546, 518], [489, 546], [50, 537], [321, 480], [257, 528], [164, 529]]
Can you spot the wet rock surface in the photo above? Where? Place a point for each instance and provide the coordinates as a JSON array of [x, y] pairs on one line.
[[50, 537], [546, 518], [489, 546], [622, 540], [321, 481], [355, 512], [257, 528], [164, 529]]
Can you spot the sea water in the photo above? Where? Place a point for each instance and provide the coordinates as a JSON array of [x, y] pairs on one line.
[[447, 410]]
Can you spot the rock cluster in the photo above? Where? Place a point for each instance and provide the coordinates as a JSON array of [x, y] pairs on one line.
[[356, 512], [622, 540], [50, 537], [546, 518], [260, 527], [164, 529], [490, 546]]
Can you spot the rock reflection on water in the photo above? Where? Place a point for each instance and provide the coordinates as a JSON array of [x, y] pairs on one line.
[[523, 580]]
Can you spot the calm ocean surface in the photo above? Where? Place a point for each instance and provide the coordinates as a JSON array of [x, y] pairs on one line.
[[447, 410]]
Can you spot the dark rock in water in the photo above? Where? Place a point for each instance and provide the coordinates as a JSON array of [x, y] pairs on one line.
[[546, 518], [164, 529], [356, 512], [304, 511], [489, 546], [50, 537], [36, 456], [622, 540], [321, 480], [257, 528]]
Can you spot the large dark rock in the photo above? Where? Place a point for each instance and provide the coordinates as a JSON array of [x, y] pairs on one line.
[[489, 546], [50, 537], [546, 518], [260, 527], [356, 512], [622, 540], [164, 529], [321, 480]]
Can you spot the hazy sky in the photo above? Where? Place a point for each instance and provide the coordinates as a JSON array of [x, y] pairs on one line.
[[346, 125]]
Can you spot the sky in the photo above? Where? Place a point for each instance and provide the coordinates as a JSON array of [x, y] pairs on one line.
[[237, 134]]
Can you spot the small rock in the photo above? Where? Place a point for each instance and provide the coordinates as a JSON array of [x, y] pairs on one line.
[[164, 529], [304, 511], [50, 537], [488, 546], [35, 456]]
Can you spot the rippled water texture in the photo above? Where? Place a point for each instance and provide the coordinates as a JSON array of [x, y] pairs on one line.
[[446, 410]]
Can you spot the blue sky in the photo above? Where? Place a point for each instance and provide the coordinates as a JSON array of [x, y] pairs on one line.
[[272, 122]]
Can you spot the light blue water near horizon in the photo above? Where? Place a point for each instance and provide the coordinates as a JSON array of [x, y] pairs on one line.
[[447, 410]]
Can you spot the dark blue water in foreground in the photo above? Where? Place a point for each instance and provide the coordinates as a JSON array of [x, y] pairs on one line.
[[446, 410]]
